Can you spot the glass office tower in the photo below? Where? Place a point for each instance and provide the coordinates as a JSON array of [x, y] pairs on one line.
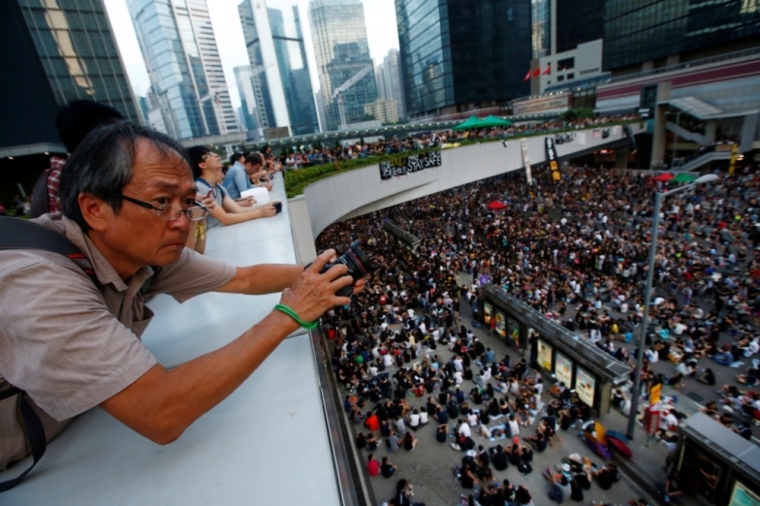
[[457, 54], [180, 52], [53, 53], [636, 31], [340, 45], [248, 103], [280, 71], [578, 23], [541, 27]]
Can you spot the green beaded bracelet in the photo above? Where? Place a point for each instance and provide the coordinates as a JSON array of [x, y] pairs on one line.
[[285, 309]]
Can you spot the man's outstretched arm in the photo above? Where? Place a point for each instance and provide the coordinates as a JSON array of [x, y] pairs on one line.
[[162, 403]]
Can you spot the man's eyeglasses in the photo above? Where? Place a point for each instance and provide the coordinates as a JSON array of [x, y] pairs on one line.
[[166, 212], [210, 154]]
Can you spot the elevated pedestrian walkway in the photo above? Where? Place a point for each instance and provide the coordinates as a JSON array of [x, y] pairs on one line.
[[701, 161]]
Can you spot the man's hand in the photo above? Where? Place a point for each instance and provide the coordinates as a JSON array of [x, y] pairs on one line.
[[268, 210], [246, 201], [314, 293], [208, 202]]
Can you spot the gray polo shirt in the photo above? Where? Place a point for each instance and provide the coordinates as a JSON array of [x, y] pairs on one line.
[[71, 344]]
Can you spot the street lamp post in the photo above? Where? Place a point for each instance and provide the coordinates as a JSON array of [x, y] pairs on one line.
[[675, 140], [636, 391]]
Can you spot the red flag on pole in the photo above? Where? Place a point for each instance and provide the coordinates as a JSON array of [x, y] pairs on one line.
[[548, 70], [527, 76], [537, 72]]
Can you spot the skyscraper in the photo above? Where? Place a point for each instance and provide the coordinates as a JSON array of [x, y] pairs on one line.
[[342, 51], [541, 21], [459, 54], [578, 23], [53, 53], [393, 84], [648, 33], [177, 42], [280, 71], [248, 105]]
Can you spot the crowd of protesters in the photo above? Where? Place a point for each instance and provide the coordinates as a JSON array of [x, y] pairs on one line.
[[576, 251], [310, 156]]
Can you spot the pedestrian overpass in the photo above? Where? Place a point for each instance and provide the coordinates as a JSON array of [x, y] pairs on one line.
[[361, 191]]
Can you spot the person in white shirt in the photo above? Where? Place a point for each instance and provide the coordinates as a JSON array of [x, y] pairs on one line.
[[472, 419], [414, 420], [464, 429], [423, 417], [514, 427], [458, 377]]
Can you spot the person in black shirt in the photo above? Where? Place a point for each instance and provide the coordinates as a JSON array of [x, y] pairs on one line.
[[499, 458], [442, 433], [523, 495], [744, 430], [387, 468]]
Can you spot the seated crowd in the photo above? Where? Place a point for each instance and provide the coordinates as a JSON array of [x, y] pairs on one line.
[[576, 251]]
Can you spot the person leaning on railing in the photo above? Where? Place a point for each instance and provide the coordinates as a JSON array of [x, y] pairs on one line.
[[128, 199]]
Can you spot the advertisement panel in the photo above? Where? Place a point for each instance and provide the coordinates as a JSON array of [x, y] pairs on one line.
[[513, 331], [501, 324], [487, 312], [743, 496], [563, 369], [545, 351], [585, 386]]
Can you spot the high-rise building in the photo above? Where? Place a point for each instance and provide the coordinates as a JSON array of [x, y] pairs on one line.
[[249, 114], [458, 55], [342, 52], [178, 45], [578, 23], [277, 54], [382, 94], [541, 27], [54, 53], [384, 111], [393, 84], [643, 34]]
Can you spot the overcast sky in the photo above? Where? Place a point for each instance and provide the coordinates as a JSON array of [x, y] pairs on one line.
[[382, 35]]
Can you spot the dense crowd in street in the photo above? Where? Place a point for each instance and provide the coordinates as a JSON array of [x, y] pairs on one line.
[[577, 251]]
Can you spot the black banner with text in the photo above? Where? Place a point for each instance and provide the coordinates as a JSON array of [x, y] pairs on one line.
[[408, 164]]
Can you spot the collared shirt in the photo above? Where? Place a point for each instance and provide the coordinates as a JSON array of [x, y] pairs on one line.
[[71, 344], [236, 180]]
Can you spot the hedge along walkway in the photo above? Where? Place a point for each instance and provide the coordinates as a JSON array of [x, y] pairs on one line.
[[298, 179]]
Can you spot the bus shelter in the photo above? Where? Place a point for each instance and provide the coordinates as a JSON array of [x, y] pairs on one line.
[[580, 365], [716, 463]]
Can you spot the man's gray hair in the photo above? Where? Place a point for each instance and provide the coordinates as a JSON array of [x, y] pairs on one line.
[[102, 165]]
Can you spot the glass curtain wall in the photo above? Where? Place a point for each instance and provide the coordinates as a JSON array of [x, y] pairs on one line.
[[78, 52]]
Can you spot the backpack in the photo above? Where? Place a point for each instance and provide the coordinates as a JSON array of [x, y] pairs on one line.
[[524, 468], [555, 494], [16, 233], [39, 203]]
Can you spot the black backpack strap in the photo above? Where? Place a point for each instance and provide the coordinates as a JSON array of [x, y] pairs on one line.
[[16, 233], [34, 432]]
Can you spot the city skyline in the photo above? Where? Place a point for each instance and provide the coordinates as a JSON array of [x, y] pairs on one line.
[[189, 92], [231, 41]]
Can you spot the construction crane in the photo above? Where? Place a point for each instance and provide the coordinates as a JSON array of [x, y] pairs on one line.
[[213, 95], [338, 92]]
